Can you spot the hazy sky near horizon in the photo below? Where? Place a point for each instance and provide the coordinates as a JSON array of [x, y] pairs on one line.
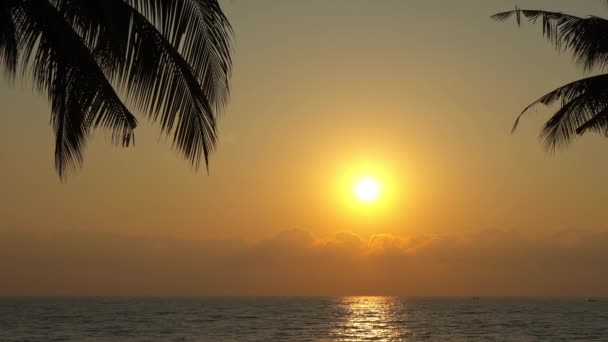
[[420, 93]]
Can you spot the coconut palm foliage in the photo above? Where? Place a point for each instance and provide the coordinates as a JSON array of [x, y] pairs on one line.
[[583, 104], [96, 59]]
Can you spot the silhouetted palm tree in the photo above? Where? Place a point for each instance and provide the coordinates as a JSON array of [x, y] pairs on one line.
[[168, 58], [583, 103]]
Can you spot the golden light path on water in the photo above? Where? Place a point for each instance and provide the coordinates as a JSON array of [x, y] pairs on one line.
[[370, 319]]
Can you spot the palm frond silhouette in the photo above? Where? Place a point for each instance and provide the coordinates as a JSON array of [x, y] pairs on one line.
[[170, 59], [583, 103]]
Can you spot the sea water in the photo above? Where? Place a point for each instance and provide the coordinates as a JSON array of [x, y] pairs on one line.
[[303, 319]]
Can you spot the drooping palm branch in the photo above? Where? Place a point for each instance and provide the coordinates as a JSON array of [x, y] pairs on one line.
[[170, 59], [583, 103]]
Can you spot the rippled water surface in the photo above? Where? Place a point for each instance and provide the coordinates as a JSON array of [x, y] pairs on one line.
[[302, 319]]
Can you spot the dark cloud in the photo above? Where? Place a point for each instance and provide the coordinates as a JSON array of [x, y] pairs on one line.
[[296, 262]]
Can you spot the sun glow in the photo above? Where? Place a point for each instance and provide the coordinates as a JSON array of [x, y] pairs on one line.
[[368, 192], [367, 189]]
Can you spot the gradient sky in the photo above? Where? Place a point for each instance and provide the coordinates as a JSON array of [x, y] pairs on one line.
[[420, 93]]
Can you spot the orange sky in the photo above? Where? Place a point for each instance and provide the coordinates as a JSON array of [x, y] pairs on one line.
[[420, 94]]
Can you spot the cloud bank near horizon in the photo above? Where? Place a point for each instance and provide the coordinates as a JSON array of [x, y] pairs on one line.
[[294, 262]]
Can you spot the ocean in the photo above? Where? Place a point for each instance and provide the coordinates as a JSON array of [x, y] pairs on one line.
[[303, 319]]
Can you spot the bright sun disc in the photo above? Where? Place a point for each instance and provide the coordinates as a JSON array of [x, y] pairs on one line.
[[367, 189]]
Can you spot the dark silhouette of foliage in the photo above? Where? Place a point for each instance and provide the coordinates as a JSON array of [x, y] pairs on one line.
[[583, 103], [170, 59]]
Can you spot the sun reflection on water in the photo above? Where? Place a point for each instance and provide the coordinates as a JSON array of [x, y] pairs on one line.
[[371, 319]]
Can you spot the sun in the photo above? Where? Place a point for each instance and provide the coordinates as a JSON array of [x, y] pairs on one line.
[[367, 189]]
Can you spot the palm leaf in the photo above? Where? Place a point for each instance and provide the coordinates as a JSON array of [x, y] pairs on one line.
[[197, 29], [585, 37], [8, 40], [63, 67], [182, 92], [103, 29], [163, 84], [564, 125], [566, 93], [201, 32], [583, 103], [169, 58], [598, 123]]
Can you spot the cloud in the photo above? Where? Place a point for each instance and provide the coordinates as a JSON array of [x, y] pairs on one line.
[[294, 262]]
